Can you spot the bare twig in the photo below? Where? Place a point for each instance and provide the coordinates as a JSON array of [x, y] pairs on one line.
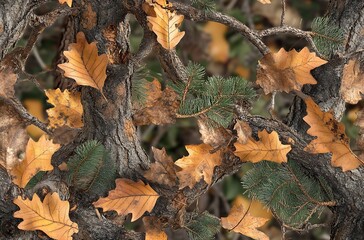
[[283, 12]]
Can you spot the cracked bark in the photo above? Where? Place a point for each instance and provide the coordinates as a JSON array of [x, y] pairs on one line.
[[111, 123]]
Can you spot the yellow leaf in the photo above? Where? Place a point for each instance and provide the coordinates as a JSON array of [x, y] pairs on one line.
[[153, 229], [218, 48], [352, 82], [162, 170], [267, 148], [67, 108], [287, 71], [199, 164], [129, 197], [165, 25], [50, 216], [331, 137], [85, 66], [241, 220], [69, 2], [36, 108], [37, 158]]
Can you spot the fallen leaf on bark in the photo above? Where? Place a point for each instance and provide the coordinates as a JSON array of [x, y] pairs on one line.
[[67, 108], [37, 158], [243, 130], [7, 81], [165, 24], [162, 171], [161, 106], [331, 137], [352, 83], [240, 220], [129, 197], [69, 2], [213, 136], [84, 65], [50, 216], [153, 229], [13, 137], [287, 71], [199, 164], [269, 148]]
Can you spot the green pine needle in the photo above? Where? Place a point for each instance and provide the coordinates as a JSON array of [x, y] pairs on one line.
[[207, 5], [91, 169], [203, 227], [277, 187], [327, 37]]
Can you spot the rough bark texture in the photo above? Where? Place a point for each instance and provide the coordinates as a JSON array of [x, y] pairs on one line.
[[111, 121]]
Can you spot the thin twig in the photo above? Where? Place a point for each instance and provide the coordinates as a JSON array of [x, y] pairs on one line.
[[283, 12]]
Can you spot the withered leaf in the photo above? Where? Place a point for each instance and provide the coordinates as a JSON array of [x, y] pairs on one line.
[[265, 1], [240, 220], [129, 197], [67, 108], [69, 2], [7, 81], [37, 158], [287, 71], [153, 229], [214, 136], [162, 171], [85, 66], [161, 106], [352, 83], [199, 164], [50, 216], [269, 148], [331, 137], [243, 130]]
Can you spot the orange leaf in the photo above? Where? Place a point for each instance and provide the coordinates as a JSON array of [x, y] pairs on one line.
[[49, 216], [69, 2], [199, 164], [241, 220], [268, 148], [85, 66], [67, 108], [287, 71], [352, 82], [36, 108], [162, 170], [129, 197], [165, 25], [37, 158], [153, 229], [218, 48], [331, 137]]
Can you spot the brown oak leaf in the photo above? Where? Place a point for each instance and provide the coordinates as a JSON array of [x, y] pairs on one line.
[[352, 83]]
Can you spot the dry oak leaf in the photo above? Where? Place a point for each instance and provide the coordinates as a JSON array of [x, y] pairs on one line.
[[331, 137], [85, 66], [153, 229], [50, 216], [69, 2], [162, 171], [241, 220], [243, 130], [165, 25], [213, 136], [218, 48], [287, 71], [265, 1], [269, 148], [7, 81], [352, 83], [199, 164], [129, 197], [161, 106], [67, 108], [37, 158]]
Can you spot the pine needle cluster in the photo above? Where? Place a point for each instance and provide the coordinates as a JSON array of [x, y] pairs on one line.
[[91, 169], [293, 196], [207, 5], [214, 97], [203, 227], [327, 37]]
